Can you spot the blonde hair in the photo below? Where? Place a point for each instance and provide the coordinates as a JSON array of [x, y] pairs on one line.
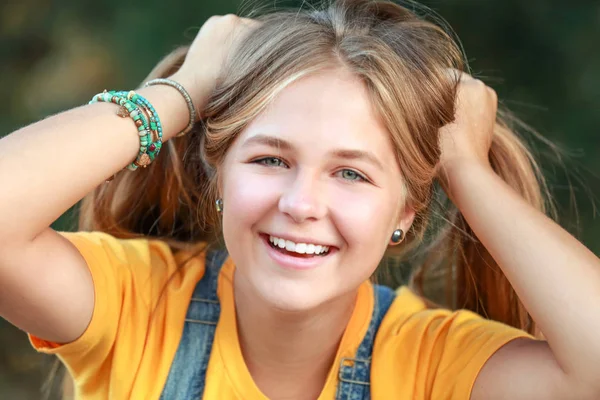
[[403, 61]]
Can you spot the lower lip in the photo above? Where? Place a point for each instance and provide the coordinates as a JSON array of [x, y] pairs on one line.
[[291, 262]]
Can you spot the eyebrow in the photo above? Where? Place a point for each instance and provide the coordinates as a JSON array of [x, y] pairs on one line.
[[281, 144], [358, 155], [268, 141]]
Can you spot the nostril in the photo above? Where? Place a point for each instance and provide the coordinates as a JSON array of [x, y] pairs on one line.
[[302, 204]]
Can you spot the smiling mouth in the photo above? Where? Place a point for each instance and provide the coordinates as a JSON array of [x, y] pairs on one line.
[[300, 250]]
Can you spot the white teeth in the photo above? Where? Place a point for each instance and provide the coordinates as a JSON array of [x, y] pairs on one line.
[[300, 248]]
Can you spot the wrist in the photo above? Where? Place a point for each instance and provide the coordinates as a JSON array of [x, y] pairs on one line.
[[459, 173], [198, 90], [460, 162], [170, 106]]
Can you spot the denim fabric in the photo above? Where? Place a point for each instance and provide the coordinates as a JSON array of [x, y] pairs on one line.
[[188, 370], [355, 373], [187, 375]]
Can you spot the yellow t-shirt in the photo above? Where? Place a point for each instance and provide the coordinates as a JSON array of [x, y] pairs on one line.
[[138, 318]]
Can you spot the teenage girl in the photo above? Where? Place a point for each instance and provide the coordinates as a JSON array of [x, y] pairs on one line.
[[310, 141]]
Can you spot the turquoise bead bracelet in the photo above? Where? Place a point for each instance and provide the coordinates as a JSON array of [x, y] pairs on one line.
[[153, 145], [135, 106], [128, 108], [155, 124]]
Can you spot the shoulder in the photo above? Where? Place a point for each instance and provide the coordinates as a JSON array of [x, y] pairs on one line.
[[138, 249], [101, 244], [439, 349], [411, 313], [142, 289], [150, 263]]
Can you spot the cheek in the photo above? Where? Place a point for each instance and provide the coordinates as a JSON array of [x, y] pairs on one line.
[[364, 220], [247, 197]]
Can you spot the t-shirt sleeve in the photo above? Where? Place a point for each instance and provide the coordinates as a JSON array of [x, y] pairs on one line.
[[461, 343], [124, 283], [440, 352]]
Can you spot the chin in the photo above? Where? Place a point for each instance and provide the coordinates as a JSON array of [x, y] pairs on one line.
[[292, 296]]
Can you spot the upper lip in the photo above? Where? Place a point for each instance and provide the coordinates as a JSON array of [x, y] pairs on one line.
[[300, 239]]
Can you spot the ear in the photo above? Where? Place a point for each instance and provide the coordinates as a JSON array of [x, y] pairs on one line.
[[405, 220]]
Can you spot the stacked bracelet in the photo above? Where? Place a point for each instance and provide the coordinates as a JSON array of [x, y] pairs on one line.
[[145, 118], [186, 96]]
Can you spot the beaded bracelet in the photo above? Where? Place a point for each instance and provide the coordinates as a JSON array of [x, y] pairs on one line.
[[135, 106], [152, 143], [155, 143]]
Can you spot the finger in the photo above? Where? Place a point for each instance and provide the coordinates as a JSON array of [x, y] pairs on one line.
[[453, 73], [459, 76], [493, 94], [249, 21]]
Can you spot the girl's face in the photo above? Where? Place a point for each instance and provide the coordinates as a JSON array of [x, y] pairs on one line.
[[312, 193]]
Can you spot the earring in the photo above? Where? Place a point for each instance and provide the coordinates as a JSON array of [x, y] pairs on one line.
[[397, 236], [219, 205]]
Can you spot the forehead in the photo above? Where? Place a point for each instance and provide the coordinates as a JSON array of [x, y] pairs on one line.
[[325, 109]]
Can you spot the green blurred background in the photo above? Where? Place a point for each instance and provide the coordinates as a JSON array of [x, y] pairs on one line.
[[541, 56]]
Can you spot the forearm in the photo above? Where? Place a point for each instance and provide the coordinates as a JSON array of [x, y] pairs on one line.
[[556, 277], [47, 167]]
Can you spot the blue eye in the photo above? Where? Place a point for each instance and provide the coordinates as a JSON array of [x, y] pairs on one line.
[[271, 162], [351, 175]]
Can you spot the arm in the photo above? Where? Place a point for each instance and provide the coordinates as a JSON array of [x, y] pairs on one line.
[[556, 277], [45, 168]]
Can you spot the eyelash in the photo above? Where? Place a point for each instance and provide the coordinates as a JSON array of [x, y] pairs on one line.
[[262, 161]]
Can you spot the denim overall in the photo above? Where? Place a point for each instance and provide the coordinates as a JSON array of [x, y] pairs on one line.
[[187, 375]]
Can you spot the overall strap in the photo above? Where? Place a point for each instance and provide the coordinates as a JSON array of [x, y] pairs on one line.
[[188, 371], [355, 373]]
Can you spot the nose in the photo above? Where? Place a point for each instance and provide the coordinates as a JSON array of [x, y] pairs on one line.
[[302, 200]]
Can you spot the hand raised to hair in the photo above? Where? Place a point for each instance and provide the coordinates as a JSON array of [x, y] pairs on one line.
[[208, 53], [469, 137]]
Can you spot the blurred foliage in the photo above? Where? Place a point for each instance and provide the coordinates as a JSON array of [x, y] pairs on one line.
[[541, 57]]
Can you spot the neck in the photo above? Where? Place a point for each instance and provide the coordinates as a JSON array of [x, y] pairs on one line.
[[290, 354]]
